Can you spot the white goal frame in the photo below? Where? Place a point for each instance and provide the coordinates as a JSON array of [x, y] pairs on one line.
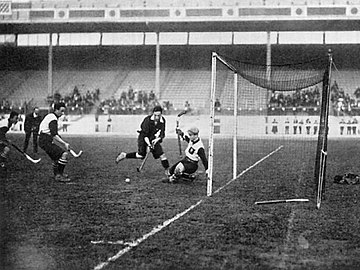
[[215, 58]]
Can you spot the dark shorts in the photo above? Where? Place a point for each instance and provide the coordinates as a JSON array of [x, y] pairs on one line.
[[46, 143], [190, 166], [142, 148]]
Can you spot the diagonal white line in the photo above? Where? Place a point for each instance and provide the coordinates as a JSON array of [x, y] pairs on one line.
[[176, 217], [249, 168], [144, 237]]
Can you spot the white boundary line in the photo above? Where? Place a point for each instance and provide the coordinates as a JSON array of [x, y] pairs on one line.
[[249, 168], [176, 217]]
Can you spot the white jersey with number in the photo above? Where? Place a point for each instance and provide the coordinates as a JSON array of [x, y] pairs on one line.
[[45, 123], [192, 150]]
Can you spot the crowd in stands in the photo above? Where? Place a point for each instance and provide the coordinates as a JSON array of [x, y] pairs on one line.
[[76, 102], [342, 103], [300, 98], [141, 102], [132, 102], [6, 106]]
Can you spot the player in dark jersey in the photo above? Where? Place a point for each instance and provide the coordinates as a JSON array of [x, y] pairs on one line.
[[4, 142], [48, 132], [195, 151], [151, 135], [31, 127]]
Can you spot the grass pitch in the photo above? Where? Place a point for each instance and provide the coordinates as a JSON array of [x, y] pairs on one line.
[[101, 222]]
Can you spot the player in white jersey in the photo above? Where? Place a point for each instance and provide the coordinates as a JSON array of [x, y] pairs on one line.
[[5, 143], [48, 132], [194, 152]]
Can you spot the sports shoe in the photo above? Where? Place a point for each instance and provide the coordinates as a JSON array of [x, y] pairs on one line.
[[62, 178], [173, 179], [189, 177], [120, 157]]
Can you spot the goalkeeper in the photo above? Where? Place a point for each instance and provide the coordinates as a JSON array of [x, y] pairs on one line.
[[193, 153]]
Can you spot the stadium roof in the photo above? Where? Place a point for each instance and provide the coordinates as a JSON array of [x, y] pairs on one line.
[[204, 26], [53, 17]]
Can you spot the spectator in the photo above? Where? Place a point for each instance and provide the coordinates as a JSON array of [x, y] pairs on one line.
[[65, 123], [342, 126], [316, 126], [274, 126], [109, 124], [187, 107], [348, 129], [217, 105], [301, 122], [287, 126], [308, 126], [151, 96], [97, 120], [295, 122], [31, 127], [354, 126]]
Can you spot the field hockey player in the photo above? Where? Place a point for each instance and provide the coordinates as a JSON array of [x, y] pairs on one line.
[[151, 135], [48, 132], [186, 167], [4, 143]]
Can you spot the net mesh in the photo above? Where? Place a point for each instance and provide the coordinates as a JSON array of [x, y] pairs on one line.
[[277, 118]]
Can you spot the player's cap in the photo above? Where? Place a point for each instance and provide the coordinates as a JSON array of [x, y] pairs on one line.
[[57, 106], [157, 109], [193, 130]]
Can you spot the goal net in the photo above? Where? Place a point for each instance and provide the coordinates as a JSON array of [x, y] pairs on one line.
[[272, 117]]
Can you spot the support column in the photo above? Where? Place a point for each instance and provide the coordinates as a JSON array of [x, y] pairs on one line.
[[268, 66], [50, 67], [157, 67]]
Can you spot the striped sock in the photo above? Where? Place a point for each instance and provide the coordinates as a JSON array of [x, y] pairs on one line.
[[61, 165]]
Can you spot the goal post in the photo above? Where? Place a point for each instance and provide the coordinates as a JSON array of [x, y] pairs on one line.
[[321, 152], [249, 117], [215, 58]]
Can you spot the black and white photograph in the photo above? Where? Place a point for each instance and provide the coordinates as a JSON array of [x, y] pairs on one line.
[[179, 134]]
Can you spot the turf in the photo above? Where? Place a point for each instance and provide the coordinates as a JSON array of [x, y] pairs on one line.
[[51, 225]]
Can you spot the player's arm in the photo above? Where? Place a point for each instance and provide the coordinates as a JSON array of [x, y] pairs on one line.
[[186, 138], [147, 141], [145, 130], [53, 126], [162, 130], [182, 135], [203, 158]]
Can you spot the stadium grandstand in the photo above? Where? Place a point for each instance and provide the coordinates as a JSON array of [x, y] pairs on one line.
[[264, 82], [173, 64]]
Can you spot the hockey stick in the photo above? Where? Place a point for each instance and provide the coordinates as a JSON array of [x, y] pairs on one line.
[[26, 155], [157, 134], [281, 201], [177, 126], [143, 162], [74, 153]]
